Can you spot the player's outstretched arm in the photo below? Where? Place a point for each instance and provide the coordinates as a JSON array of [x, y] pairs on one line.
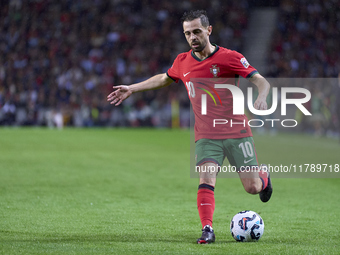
[[263, 87], [122, 92]]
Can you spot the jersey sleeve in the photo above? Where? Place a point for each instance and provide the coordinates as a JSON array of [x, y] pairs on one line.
[[173, 71], [240, 65]]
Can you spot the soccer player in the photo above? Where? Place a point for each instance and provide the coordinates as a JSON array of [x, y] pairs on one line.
[[203, 66]]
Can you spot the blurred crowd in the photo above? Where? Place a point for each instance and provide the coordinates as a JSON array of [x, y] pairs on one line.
[[60, 59], [306, 45], [306, 41]]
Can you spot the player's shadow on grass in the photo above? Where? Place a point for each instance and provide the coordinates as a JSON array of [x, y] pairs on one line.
[[60, 238], [111, 238]]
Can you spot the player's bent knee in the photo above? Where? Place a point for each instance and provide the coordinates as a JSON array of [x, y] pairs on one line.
[[208, 173], [211, 182], [252, 188]]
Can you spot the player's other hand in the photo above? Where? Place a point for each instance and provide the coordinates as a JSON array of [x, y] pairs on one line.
[[260, 104], [121, 93]]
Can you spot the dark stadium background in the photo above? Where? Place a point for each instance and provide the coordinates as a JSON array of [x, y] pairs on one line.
[[59, 59]]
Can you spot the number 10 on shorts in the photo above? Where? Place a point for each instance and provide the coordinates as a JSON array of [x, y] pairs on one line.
[[247, 150]]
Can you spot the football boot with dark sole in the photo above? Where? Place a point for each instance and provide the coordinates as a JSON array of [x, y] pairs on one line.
[[208, 235]]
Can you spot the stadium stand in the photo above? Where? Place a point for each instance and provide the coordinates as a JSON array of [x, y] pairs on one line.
[[306, 45], [61, 58]]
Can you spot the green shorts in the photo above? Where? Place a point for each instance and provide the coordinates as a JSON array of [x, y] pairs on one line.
[[239, 152]]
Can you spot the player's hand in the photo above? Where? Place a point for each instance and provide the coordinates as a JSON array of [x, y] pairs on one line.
[[260, 103], [121, 93]]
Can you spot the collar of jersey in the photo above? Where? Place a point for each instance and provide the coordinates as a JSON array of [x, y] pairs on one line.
[[198, 59]]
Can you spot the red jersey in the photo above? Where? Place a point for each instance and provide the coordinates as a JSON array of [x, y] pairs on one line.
[[213, 107]]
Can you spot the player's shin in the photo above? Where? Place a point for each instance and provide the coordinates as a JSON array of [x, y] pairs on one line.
[[206, 203]]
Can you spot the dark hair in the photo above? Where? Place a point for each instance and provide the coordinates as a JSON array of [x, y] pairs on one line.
[[191, 15]]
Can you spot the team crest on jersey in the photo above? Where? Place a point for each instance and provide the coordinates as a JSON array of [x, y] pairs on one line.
[[244, 62], [214, 70]]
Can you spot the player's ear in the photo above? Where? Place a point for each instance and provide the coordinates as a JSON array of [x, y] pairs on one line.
[[209, 30]]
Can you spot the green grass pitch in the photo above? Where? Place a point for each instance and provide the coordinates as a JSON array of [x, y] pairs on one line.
[[129, 191]]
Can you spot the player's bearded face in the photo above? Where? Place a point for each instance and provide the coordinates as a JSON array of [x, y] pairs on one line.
[[196, 35], [198, 46]]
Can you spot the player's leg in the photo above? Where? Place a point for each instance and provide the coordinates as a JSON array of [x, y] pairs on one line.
[[205, 193], [208, 173], [267, 189], [250, 180], [256, 180], [206, 200], [209, 155]]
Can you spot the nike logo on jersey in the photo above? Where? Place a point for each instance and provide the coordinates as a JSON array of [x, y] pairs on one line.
[[246, 161], [205, 204], [185, 74]]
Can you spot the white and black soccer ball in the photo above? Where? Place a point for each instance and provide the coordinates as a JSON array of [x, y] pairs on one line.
[[247, 226]]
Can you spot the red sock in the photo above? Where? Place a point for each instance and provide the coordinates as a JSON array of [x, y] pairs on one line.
[[206, 203], [264, 178]]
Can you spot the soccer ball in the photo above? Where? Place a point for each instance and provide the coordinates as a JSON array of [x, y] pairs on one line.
[[247, 226]]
